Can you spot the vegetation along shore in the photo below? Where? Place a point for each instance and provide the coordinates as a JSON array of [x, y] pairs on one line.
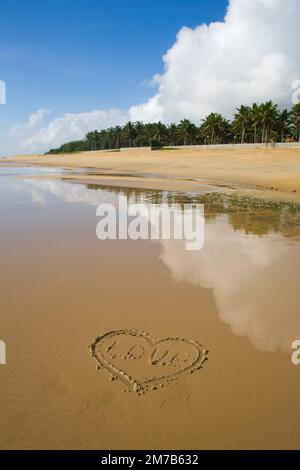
[[259, 123]]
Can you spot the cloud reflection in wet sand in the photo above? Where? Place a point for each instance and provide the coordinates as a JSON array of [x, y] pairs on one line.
[[254, 279]]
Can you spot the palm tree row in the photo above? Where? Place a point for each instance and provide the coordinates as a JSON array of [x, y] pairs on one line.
[[259, 123], [265, 123]]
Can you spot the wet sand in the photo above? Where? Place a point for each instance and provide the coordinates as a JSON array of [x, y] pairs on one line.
[[276, 171], [61, 288]]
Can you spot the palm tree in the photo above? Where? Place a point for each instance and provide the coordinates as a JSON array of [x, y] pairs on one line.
[[283, 124], [215, 128], [187, 131], [129, 134], [295, 120], [268, 115], [160, 131], [93, 139], [117, 136], [172, 133], [254, 120], [242, 121]]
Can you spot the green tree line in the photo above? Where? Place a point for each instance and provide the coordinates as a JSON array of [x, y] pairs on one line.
[[259, 123]]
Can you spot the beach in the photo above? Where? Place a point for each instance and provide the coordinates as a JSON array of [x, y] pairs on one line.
[[230, 309], [271, 173], [150, 231], [116, 344]]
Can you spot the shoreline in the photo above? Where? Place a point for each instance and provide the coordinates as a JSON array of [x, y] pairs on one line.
[[272, 174]]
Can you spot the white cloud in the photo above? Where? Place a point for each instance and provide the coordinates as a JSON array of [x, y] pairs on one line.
[[32, 122], [73, 127], [152, 83], [251, 56]]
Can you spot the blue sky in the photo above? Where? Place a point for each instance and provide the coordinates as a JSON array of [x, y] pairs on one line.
[[90, 63], [78, 55]]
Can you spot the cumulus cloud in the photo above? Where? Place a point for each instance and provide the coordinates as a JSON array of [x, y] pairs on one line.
[[73, 127], [32, 122], [250, 56]]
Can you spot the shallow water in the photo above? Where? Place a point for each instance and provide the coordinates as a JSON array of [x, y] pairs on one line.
[[61, 288]]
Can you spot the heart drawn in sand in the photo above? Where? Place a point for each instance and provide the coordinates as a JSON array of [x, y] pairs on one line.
[[143, 363]]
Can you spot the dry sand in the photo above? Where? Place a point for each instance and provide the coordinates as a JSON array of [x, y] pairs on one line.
[[276, 171]]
